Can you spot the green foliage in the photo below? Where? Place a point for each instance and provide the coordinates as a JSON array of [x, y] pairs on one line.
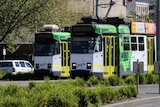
[[21, 18], [2, 74], [32, 84], [125, 92], [62, 94], [105, 82], [133, 90], [130, 80], [62, 97], [115, 80], [93, 98], [12, 90], [79, 82], [105, 94], [93, 81], [142, 79], [151, 78], [82, 98]]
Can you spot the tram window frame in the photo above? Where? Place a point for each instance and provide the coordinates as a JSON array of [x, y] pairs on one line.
[[134, 43], [141, 43], [126, 43]]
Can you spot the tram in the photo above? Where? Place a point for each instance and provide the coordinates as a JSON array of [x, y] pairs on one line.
[[51, 52], [106, 49]]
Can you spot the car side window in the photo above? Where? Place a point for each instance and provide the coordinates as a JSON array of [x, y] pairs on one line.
[[22, 64], [5, 64], [28, 64], [17, 64]]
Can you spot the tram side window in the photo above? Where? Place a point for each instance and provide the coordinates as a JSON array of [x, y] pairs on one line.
[[141, 43], [57, 48], [98, 46], [126, 43], [133, 43]]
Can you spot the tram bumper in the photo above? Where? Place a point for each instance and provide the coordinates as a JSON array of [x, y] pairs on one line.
[[43, 72], [80, 73]]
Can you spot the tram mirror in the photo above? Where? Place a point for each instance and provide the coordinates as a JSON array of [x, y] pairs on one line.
[[141, 67], [135, 67], [156, 66]]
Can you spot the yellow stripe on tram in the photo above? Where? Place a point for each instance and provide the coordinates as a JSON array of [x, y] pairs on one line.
[[97, 65], [56, 65]]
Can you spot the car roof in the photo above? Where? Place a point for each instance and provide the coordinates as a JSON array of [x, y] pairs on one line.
[[12, 60]]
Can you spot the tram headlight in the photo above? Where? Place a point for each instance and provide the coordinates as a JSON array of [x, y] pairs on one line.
[[74, 65], [37, 66], [49, 65], [89, 65]]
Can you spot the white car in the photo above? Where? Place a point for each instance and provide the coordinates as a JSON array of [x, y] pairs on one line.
[[16, 66]]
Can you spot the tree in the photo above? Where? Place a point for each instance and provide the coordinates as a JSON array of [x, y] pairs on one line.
[[16, 15], [20, 18]]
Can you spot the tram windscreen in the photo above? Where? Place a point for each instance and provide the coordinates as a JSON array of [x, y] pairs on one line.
[[45, 45], [44, 49], [83, 44]]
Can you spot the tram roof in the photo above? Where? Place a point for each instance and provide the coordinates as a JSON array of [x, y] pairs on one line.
[[123, 29], [54, 35], [61, 35], [105, 28]]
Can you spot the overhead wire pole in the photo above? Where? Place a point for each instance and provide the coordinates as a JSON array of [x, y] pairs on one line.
[[97, 7], [111, 3], [157, 36]]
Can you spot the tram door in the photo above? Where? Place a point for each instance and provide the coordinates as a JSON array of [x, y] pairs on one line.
[[150, 53], [65, 59], [110, 47]]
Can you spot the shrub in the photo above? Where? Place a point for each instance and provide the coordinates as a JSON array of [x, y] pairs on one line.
[[81, 95], [105, 94], [130, 80], [93, 98], [115, 80], [2, 74], [32, 84], [152, 78], [93, 81], [62, 98], [125, 92], [79, 82], [142, 79], [12, 90], [105, 82], [9, 101], [133, 90]]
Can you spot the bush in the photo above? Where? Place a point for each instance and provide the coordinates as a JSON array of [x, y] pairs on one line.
[[130, 80], [142, 79], [62, 98], [151, 78], [93, 98], [93, 81], [32, 84], [62, 94], [105, 82], [133, 90], [2, 74], [106, 94], [79, 82], [116, 81], [81, 95], [125, 92]]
